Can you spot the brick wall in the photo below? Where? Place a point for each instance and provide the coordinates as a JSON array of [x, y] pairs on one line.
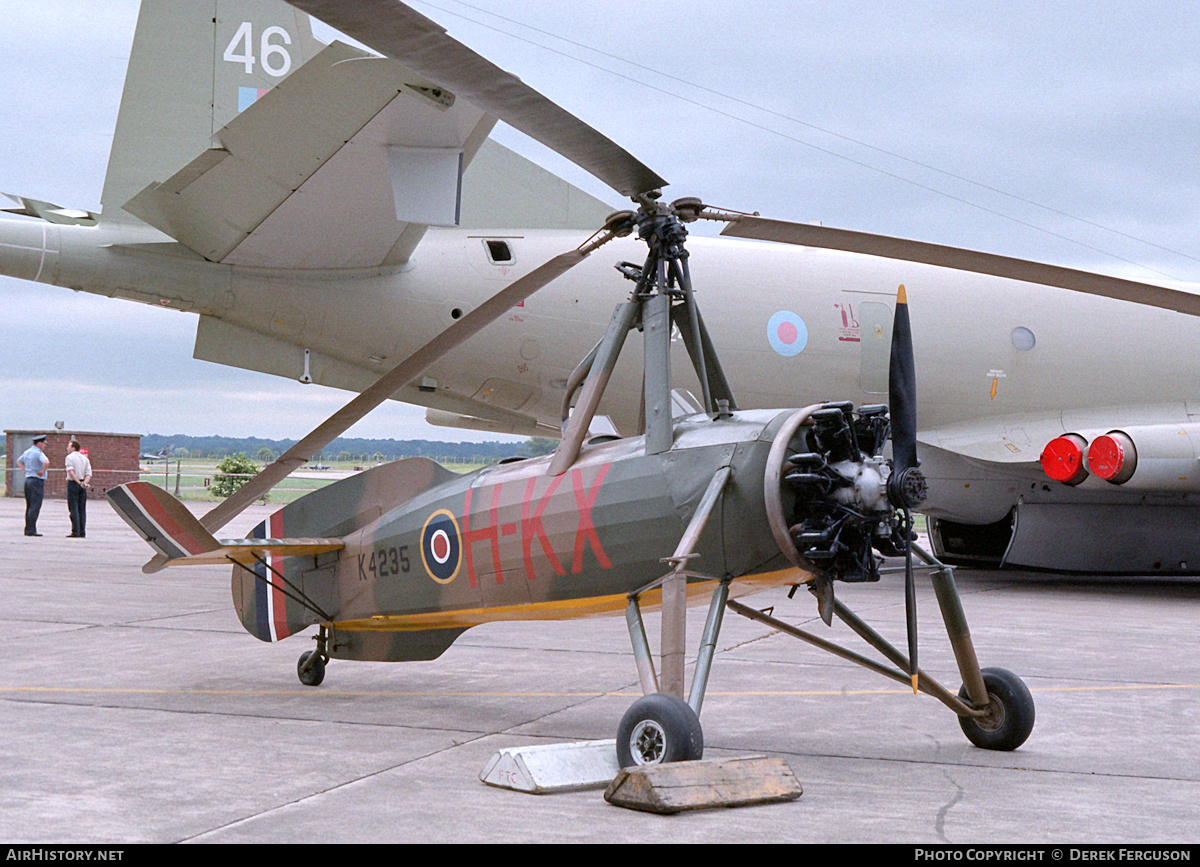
[[115, 460]]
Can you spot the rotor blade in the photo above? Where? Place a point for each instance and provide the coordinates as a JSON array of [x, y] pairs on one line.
[[395, 30], [902, 388], [886, 247], [388, 384]]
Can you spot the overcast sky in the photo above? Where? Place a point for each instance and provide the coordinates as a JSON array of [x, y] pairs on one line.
[[1058, 131]]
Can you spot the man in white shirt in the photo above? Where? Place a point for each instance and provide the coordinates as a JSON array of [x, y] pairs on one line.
[[34, 462], [79, 479]]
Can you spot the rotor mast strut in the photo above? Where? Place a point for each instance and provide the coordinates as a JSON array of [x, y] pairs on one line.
[[662, 298]]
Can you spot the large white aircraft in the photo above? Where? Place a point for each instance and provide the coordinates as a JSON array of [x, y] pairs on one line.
[[326, 211]]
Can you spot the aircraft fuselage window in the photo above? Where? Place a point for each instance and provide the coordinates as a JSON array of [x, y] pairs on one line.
[[1023, 339], [499, 253]]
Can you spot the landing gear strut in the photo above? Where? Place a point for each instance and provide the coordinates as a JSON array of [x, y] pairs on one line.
[[660, 726], [994, 707]]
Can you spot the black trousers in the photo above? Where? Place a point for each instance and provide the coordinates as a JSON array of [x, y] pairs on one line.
[[77, 506], [34, 490]]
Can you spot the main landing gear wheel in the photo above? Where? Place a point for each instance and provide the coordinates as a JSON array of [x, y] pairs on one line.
[[311, 673], [659, 728], [1010, 712]]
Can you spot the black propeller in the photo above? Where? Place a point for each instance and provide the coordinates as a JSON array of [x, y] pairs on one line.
[[902, 393], [906, 485]]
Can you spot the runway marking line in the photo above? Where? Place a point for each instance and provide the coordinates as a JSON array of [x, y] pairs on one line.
[[32, 690]]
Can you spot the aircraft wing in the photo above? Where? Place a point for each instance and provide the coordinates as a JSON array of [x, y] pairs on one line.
[[1014, 439], [343, 164]]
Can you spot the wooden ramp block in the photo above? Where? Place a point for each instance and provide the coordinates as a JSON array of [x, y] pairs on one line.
[[679, 786]]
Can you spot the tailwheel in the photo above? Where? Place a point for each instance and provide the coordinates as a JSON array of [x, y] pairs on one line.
[[310, 668], [659, 728], [1010, 715]]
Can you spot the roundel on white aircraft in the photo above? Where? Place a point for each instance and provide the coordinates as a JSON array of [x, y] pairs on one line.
[[787, 333]]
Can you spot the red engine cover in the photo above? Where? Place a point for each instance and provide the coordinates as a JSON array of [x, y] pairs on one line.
[[1112, 457], [1062, 459]]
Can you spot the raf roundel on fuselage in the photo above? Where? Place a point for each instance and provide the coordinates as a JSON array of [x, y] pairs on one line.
[[441, 546]]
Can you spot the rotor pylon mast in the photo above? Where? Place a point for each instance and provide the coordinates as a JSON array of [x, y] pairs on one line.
[[662, 300]]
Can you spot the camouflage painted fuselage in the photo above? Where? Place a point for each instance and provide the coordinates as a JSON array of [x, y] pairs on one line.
[[429, 553]]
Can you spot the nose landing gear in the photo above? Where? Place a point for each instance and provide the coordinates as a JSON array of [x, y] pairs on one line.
[[1010, 714]]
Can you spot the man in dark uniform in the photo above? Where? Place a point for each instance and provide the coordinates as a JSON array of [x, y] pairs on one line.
[[34, 462]]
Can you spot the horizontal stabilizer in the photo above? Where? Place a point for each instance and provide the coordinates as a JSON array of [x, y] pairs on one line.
[[341, 165], [179, 539], [51, 213]]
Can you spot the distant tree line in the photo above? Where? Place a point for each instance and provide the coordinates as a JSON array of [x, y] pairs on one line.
[[345, 448]]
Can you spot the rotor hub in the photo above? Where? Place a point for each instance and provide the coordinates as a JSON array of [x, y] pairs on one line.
[[661, 230], [907, 489]]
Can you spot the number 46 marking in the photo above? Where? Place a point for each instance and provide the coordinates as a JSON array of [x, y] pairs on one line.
[[275, 58]]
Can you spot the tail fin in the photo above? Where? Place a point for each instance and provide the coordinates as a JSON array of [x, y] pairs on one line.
[[271, 607], [162, 521], [167, 526], [190, 72]]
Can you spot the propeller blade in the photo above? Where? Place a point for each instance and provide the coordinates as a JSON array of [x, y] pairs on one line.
[[910, 601], [403, 34], [902, 405], [762, 229], [388, 384], [902, 388]]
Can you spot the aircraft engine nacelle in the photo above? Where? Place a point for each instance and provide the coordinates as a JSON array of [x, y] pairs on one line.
[[1163, 457], [838, 492]]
